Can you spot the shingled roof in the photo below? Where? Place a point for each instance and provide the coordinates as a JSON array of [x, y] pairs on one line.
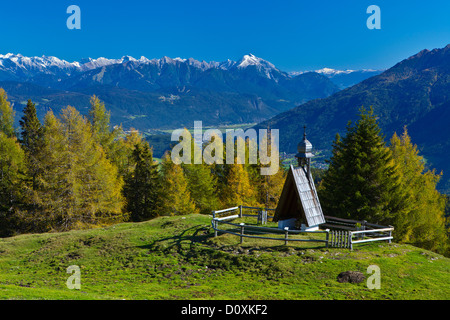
[[299, 198]]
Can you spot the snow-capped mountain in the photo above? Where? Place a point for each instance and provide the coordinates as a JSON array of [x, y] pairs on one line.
[[17, 63], [19, 67], [52, 65], [343, 78], [150, 93]]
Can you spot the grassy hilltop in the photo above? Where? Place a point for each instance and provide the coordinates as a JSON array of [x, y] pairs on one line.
[[178, 258]]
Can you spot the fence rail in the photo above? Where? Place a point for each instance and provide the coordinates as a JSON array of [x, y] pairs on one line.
[[248, 231], [344, 230]]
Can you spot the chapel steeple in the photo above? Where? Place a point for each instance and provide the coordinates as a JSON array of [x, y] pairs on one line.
[[304, 155]]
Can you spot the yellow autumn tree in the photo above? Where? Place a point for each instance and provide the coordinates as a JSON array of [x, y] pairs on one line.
[[238, 190], [79, 186], [175, 198], [422, 221]]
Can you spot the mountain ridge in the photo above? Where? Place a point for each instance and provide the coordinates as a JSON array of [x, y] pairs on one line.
[[168, 93], [413, 93]]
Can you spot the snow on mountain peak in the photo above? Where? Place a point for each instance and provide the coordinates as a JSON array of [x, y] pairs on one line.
[[52, 65], [252, 60], [329, 71], [262, 65]]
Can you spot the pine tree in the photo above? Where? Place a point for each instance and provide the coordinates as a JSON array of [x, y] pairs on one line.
[[142, 188], [31, 139], [361, 182], [6, 115], [422, 222], [176, 198]]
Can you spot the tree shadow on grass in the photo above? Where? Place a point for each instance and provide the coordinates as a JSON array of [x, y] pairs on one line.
[[202, 238], [182, 241]]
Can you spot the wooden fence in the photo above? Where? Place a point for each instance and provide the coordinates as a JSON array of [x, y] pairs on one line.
[[340, 233], [250, 231], [345, 230]]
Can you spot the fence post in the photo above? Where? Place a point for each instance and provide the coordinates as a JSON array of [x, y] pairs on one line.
[[334, 238], [215, 227], [328, 236], [242, 232], [390, 234], [331, 238], [345, 239], [286, 230], [338, 236], [350, 245], [363, 227], [240, 211]]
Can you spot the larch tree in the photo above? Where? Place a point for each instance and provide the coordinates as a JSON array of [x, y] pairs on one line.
[[6, 115], [12, 172], [422, 222], [80, 187], [202, 183], [99, 118], [238, 190], [111, 139], [202, 186], [12, 169], [268, 187], [175, 197]]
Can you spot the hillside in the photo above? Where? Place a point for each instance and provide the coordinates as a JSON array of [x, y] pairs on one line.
[[413, 93], [345, 78], [175, 258]]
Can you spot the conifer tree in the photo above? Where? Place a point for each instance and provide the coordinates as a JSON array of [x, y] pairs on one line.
[[422, 222], [202, 187], [176, 198], [80, 186], [238, 190], [117, 144], [6, 115], [142, 187], [99, 118], [31, 139], [268, 188], [361, 182], [12, 170], [201, 182]]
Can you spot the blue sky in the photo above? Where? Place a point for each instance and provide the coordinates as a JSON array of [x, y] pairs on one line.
[[293, 35]]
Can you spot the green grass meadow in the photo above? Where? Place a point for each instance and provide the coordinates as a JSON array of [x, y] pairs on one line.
[[172, 258]]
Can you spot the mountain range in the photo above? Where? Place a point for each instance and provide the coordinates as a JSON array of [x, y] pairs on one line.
[[171, 93], [414, 93], [161, 93], [344, 78]]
